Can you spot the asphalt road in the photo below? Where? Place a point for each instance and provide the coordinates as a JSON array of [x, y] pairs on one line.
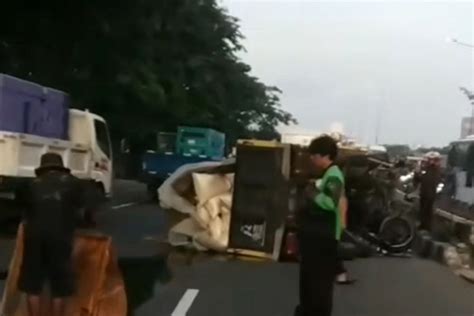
[[228, 286]]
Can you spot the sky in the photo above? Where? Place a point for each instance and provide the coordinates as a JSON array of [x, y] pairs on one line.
[[383, 70]]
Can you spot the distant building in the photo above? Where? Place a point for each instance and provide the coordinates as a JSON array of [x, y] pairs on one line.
[[467, 126]]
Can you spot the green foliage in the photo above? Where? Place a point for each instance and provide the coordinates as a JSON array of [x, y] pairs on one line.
[[144, 64]]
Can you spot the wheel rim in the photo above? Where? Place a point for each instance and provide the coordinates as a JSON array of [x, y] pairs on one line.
[[396, 232]]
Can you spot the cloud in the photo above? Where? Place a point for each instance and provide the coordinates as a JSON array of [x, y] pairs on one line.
[[364, 63]]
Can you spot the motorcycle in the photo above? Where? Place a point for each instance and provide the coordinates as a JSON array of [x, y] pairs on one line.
[[385, 224]]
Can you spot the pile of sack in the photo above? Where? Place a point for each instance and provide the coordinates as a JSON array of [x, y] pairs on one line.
[[203, 191]]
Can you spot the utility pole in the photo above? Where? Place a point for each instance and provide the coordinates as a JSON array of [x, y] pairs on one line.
[[379, 111], [470, 96], [377, 126]]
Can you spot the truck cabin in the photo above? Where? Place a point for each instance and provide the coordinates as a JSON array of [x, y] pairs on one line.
[[87, 129], [160, 143], [187, 142], [102, 136]]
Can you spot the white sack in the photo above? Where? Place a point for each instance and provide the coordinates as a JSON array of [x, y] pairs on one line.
[[202, 217], [208, 186], [226, 199], [182, 234], [212, 207], [170, 199], [217, 208], [215, 228], [203, 241], [209, 222]]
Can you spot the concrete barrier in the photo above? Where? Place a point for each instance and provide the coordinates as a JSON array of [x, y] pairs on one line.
[[451, 241]]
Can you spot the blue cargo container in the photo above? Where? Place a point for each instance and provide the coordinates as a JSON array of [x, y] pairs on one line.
[[54, 115], [29, 108], [15, 96]]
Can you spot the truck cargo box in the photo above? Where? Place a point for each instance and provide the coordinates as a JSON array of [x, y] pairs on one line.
[[51, 119], [21, 153], [87, 153], [15, 96], [200, 142], [260, 200], [29, 108]]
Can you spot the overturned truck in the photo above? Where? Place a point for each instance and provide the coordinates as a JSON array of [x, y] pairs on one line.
[[250, 205], [237, 206]]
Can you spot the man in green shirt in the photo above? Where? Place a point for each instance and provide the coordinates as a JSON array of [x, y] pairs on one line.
[[320, 229]]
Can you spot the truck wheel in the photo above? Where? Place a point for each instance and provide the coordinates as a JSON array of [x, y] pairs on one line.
[[397, 233]]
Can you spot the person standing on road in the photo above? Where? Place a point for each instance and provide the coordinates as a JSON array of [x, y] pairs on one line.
[[319, 232], [51, 208], [428, 179], [342, 277]]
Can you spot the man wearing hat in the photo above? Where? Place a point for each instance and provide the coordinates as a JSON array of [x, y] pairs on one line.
[[51, 207]]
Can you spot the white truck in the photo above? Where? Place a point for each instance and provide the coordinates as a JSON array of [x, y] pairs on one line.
[[461, 155], [87, 153]]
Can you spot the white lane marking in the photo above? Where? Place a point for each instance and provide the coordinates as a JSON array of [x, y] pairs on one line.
[[117, 207], [185, 302]]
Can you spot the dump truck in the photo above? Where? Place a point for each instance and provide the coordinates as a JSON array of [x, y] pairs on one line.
[[35, 120]]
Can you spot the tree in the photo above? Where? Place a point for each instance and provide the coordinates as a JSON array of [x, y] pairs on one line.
[[144, 65]]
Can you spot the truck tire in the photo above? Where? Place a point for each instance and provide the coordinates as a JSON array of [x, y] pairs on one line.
[[397, 233]]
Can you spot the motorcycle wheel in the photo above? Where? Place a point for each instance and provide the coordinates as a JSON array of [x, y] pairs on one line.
[[397, 233]]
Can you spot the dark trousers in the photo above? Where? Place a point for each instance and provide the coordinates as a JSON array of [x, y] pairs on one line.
[[47, 258], [340, 269], [317, 271], [426, 212]]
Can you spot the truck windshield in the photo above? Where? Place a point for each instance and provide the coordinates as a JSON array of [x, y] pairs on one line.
[[166, 142], [102, 137]]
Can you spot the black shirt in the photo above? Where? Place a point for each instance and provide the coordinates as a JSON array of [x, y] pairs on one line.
[[52, 203], [315, 220], [429, 181]]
